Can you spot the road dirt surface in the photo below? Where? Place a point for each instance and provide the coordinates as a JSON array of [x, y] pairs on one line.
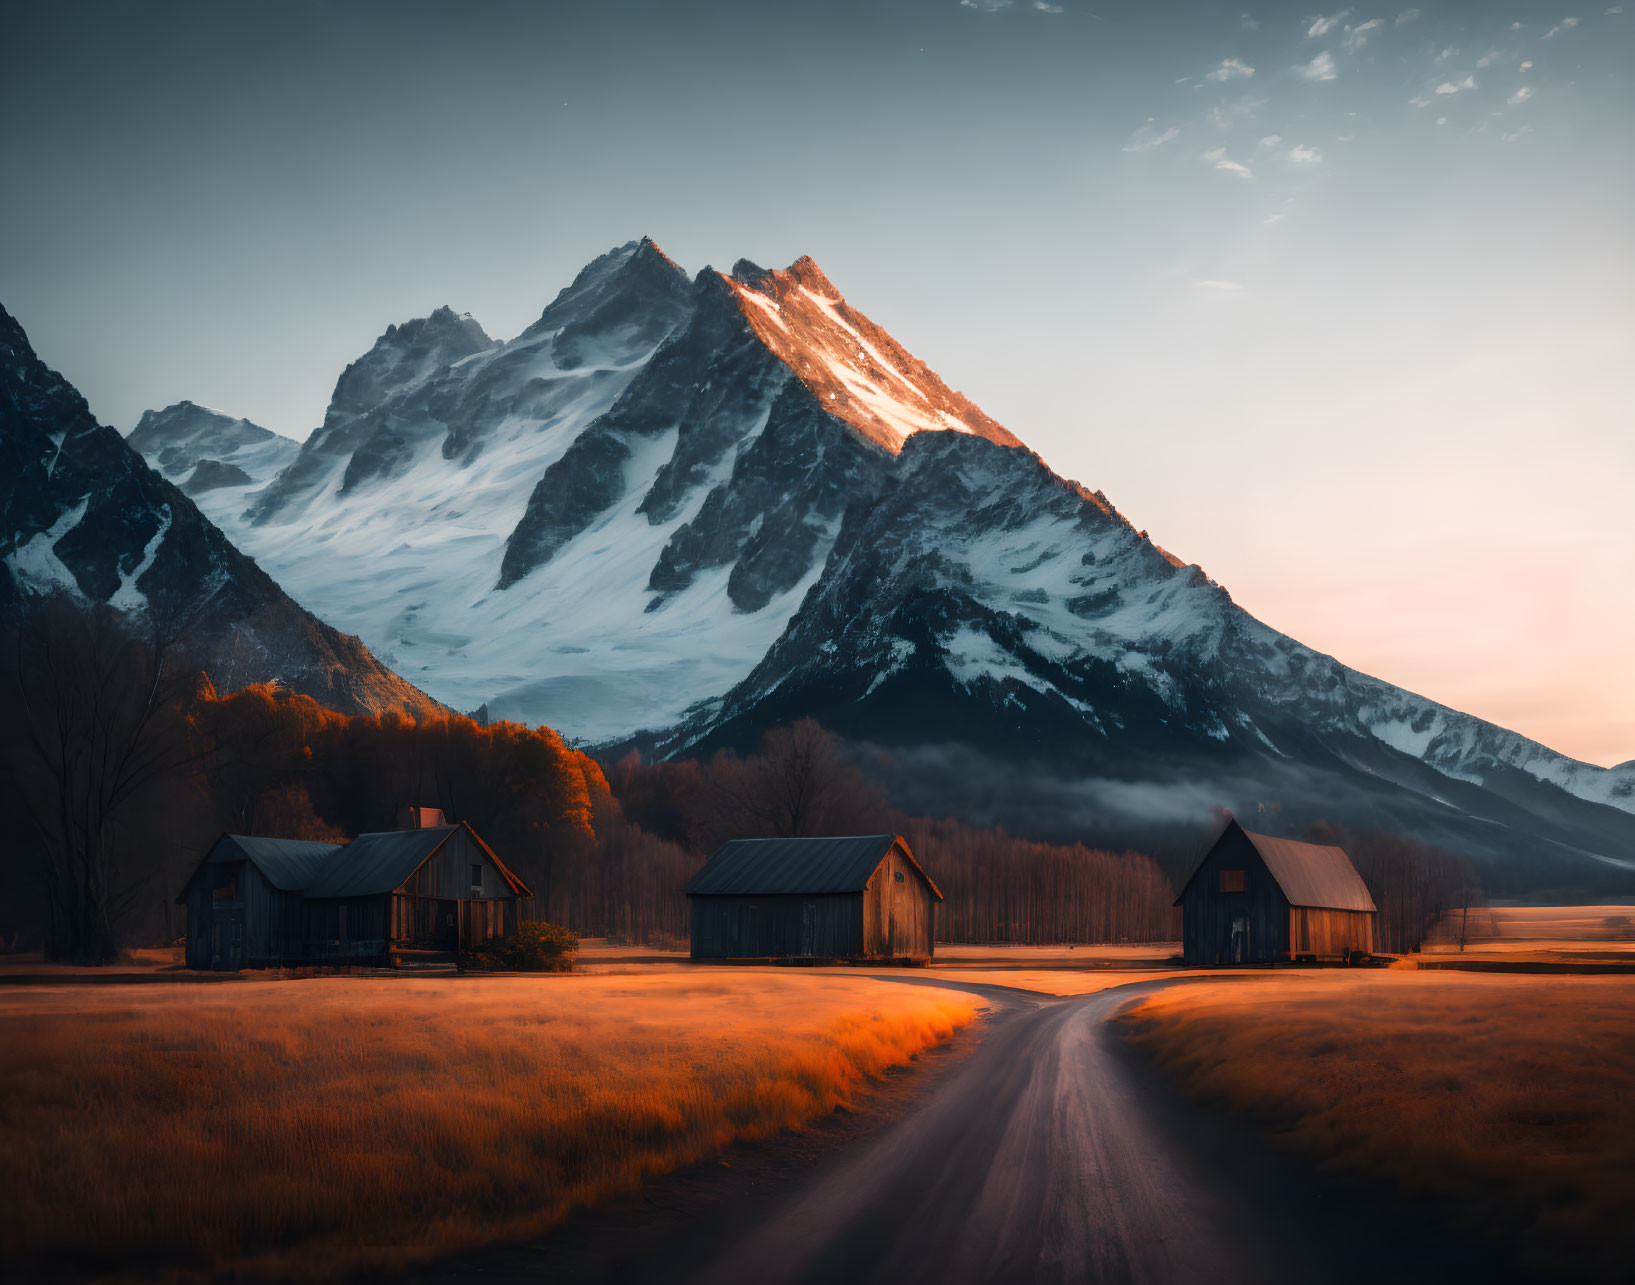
[[1049, 1153]]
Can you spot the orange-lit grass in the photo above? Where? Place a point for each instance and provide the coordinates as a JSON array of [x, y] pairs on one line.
[[310, 1128], [1511, 1097]]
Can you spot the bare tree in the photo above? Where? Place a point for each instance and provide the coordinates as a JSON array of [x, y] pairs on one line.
[[797, 785], [91, 705]]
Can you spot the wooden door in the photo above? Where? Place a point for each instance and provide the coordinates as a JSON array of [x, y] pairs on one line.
[[227, 948]]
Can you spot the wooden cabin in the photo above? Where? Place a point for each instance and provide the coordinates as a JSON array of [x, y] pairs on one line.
[[256, 902], [863, 897], [1257, 900]]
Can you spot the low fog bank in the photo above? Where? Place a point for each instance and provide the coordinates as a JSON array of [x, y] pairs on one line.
[[1172, 811]]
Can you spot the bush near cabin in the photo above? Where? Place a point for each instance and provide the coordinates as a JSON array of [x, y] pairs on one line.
[[534, 948]]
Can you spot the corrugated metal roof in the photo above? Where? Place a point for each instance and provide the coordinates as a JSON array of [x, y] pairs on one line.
[[782, 867], [288, 864], [1313, 874], [378, 862]]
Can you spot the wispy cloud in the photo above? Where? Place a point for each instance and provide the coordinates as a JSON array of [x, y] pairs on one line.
[[1357, 37], [1226, 112], [1249, 23], [1302, 155], [1453, 87], [1419, 100], [1321, 26], [1566, 24], [1229, 287], [1521, 95], [1271, 140], [1229, 68], [995, 6], [1149, 136], [1319, 68], [1218, 157], [1407, 15]]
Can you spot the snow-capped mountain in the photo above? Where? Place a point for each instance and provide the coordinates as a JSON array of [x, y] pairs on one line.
[[985, 601], [676, 512], [202, 450], [612, 516], [83, 514]]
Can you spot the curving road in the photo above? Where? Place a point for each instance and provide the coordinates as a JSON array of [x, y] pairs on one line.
[[1050, 1154]]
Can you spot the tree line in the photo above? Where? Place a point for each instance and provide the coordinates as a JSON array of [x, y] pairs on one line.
[[123, 764]]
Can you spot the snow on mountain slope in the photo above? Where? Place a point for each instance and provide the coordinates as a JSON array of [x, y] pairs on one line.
[[207, 453], [81, 514], [709, 505], [368, 429], [856, 370], [984, 599], [609, 518]]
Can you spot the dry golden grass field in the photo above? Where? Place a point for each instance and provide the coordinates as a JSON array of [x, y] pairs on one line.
[[1512, 1097], [312, 1128]]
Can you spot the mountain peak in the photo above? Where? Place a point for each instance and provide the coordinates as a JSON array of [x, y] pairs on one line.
[[859, 373], [630, 279], [809, 276]]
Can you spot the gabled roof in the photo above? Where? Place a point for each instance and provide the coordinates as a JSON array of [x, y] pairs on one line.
[[1314, 875], [369, 865], [796, 867], [378, 862], [288, 864]]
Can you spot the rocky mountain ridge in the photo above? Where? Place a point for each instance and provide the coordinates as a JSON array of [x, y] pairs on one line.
[[84, 515]]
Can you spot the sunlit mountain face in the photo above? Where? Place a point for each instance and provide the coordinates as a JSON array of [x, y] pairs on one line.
[[674, 512]]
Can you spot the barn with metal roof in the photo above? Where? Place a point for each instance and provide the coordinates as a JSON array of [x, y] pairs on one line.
[[1255, 899], [258, 902], [854, 897]]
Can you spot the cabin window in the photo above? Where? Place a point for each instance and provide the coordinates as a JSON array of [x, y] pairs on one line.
[[1232, 881], [476, 874], [899, 876], [228, 891]]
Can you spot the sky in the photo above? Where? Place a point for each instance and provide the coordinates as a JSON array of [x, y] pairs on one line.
[[1339, 304]]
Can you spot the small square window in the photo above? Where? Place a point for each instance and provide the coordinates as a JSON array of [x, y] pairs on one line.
[[476, 874], [899, 876], [1232, 881]]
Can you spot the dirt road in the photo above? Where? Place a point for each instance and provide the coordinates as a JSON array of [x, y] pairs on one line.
[[1051, 1154]]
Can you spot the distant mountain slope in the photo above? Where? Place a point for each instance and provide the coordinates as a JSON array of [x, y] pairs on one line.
[[984, 602], [202, 450], [84, 514], [675, 512]]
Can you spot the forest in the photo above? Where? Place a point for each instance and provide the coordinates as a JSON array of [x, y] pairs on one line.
[[126, 763]]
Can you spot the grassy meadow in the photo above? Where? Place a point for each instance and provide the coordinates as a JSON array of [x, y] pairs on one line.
[[313, 1128], [1511, 1097]]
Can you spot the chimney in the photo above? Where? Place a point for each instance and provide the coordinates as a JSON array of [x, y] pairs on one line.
[[410, 817]]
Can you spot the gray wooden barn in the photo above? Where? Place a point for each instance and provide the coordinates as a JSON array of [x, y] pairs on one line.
[[862, 897], [256, 902], [1255, 900]]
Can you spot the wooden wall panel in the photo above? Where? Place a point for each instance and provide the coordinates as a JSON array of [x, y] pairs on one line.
[[825, 926], [1251, 926], [899, 912]]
